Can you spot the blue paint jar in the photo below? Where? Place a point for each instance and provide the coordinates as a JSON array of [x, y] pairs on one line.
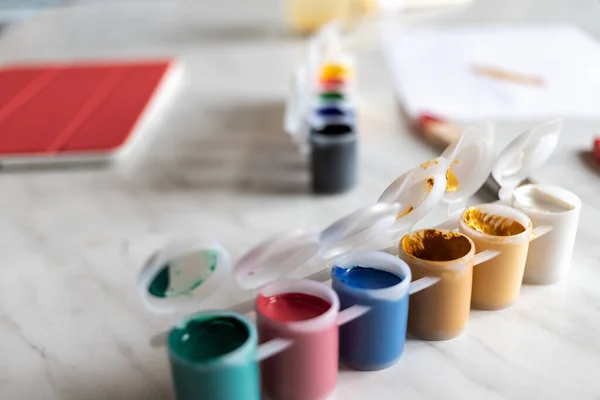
[[381, 281]]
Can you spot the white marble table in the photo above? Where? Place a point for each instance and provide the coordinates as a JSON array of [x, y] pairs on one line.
[[72, 241]]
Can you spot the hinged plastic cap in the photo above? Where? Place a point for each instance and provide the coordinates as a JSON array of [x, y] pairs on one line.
[[276, 257], [183, 274], [525, 153], [417, 191], [357, 229], [471, 159]]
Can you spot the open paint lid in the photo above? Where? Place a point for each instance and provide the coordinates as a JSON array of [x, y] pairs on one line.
[[470, 159], [417, 191], [356, 229], [281, 254], [524, 154], [183, 274], [276, 257]]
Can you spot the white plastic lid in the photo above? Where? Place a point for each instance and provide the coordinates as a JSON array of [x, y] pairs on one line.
[[183, 274], [276, 257], [357, 229], [283, 253], [417, 191], [524, 154], [471, 159]]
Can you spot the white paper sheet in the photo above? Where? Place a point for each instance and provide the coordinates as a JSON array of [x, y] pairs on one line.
[[432, 70]]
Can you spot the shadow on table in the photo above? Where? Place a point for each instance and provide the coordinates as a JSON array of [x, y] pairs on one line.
[[238, 147]]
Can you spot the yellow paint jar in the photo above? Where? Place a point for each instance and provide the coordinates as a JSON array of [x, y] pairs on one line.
[[497, 282], [441, 311]]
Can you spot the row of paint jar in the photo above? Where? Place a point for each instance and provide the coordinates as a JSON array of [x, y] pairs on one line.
[[307, 313], [216, 354], [321, 115], [304, 314]]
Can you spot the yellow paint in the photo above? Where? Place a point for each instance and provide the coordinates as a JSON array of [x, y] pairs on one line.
[[451, 180], [403, 213], [334, 72], [490, 224]]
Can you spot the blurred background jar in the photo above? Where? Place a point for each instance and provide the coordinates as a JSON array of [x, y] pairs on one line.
[[306, 16]]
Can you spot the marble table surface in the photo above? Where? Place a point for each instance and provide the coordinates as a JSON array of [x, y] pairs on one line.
[[72, 240]]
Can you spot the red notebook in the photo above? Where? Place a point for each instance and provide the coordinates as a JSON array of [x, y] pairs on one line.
[[74, 112]]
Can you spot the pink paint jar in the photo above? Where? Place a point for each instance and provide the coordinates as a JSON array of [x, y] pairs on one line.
[[305, 312]]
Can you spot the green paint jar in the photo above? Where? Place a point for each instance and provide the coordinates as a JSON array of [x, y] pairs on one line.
[[213, 357]]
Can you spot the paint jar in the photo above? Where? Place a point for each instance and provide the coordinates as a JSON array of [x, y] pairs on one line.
[[440, 312], [380, 281], [305, 312], [333, 161], [497, 282], [213, 357], [552, 207], [549, 257]]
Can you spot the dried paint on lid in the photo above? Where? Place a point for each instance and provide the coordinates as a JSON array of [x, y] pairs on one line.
[[183, 274], [470, 161], [417, 191]]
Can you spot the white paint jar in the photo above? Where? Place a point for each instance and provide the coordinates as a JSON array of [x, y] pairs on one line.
[[549, 257]]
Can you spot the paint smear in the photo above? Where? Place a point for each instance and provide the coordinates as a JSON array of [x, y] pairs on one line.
[[366, 277], [290, 307], [491, 224], [436, 245], [451, 180], [182, 276], [403, 213], [429, 163]]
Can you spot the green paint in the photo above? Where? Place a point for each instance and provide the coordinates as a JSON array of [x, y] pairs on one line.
[[204, 338], [331, 96], [162, 285]]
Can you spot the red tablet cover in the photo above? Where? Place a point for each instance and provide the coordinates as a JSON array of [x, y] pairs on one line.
[[79, 108]]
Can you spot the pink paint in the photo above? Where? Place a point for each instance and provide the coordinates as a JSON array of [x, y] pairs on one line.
[[289, 307], [305, 312]]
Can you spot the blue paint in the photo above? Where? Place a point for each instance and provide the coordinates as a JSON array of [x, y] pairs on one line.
[[333, 111], [375, 340], [366, 278]]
